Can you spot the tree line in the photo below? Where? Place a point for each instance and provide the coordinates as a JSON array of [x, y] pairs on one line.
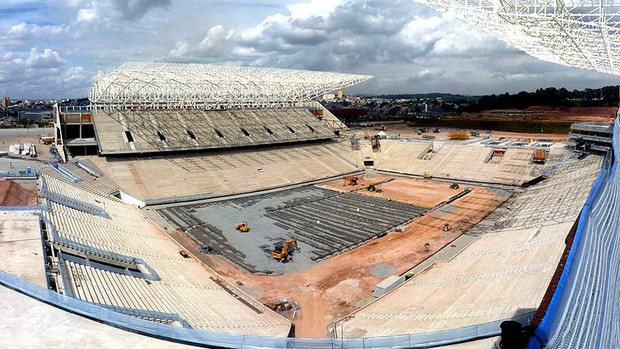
[[551, 96]]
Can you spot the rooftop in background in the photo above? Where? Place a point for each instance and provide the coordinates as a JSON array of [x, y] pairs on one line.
[[599, 128], [593, 137]]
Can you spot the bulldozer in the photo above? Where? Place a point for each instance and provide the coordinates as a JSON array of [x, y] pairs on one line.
[[243, 227], [283, 252], [349, 180]]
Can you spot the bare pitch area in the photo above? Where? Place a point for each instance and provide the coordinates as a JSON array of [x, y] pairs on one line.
[[419, 192], [324, 222], [334, 287]]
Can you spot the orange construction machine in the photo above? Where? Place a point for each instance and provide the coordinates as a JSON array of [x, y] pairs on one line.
[[349, 180], [243, 227], [283, 251]]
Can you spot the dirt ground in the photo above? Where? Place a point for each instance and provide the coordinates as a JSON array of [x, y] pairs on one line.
[[339, 285], [583, 114], [424, 193], [362, 182], [406, 131], [526, 136], [13, 194], [545, 113], [417, 192], [43, 154], [535, 113]]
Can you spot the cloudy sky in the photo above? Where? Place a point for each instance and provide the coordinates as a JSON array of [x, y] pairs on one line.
[[56, 48]]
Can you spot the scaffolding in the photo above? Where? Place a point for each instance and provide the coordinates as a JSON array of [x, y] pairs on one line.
[[137, 86]]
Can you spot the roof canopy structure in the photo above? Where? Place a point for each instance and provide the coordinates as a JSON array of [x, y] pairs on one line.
[[581, 34], [172, 85]]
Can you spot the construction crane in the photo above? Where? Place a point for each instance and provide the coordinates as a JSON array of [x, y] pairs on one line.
[[282, 252], [243, 227]]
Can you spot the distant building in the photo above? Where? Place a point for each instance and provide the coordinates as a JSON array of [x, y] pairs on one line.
[[6, 101], [593, 137], [35, 116]]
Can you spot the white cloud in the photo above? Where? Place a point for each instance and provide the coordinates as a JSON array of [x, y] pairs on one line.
[[114, 10], [217, 43], [28, 31], [74, 74], [41, 74], [48, 58], [314, 8], [22, 34], [87, 15]]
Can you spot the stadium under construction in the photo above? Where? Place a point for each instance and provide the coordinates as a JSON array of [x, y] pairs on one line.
[[198, 205]]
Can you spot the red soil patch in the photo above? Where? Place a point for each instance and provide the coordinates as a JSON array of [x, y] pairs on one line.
[[594, 111], [12, 194], [565, 114], [362, 182], [417, 192], [406, 131]]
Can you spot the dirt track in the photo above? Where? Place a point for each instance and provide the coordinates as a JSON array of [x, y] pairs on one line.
[[336, 286]]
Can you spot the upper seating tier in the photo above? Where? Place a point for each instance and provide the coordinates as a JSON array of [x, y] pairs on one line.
[[153, 131]]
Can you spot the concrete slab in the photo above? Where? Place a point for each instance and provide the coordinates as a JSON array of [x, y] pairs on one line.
[[28, 323], [21, 248], [486, 343]]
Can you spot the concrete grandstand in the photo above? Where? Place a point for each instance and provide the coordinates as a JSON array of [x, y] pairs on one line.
[[187, 151]]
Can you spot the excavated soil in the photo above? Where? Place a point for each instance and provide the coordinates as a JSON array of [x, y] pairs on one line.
[[13, 194], [339, 285]]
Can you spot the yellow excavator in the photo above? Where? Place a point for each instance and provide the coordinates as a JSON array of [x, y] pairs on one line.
[[243, 227], [282, 252]]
